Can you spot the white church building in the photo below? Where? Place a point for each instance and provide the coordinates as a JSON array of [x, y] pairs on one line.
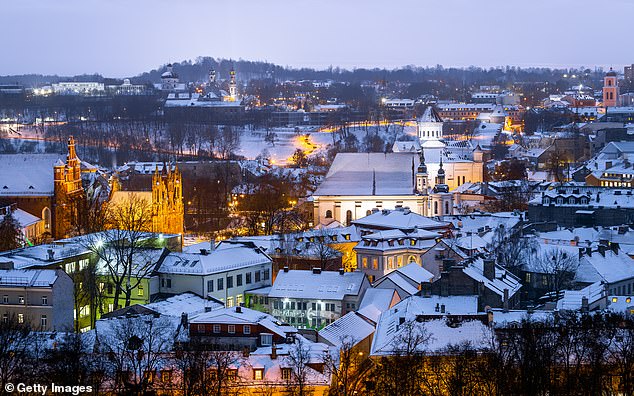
[[356, 183]]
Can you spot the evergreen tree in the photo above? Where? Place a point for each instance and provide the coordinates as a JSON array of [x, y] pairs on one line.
[[10, 233]]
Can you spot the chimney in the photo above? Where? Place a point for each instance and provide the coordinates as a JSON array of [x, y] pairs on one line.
[[585, 307], [437, 308], [184, 320], [212, 245], [488, 268], [589, 251], [245, 352], [207, 309], [286, 269], [602, 249], [273, 352], [238, 309], [204, 252], [615, 247], [51, 254], [505, 302], [401, 320], [316, 271], [442, 308], [341, 271]]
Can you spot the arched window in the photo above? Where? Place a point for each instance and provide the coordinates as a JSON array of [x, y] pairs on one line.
[[412, 259], [46, 216], [447, 208], [435, 207], [368, 212], [348, 217], [329, 214]]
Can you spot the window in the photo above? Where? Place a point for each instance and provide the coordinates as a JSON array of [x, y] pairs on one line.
[[248, 278], [257, 276], [216, 328], [329, 214], [169, 283], [5, 299], [615, 299], [364, 261], [43, 321], [348, 217], [266, 339], [5, 318], [435, 207], [83, 263], [447, 208], [229, 302], [21, 300], [140, 291], [220, 284], [286, 373], [528, 277], [210, 286], [239, 280], [375, 263], [231, 329], [267, 274], [239, 300], [109, 288], [258, 374], [246, 329], [166, 376], [229, 282], [20, 318], [69, 267]]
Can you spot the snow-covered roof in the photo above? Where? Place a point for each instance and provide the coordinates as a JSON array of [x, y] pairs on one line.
[[430, 115], [24, 218], [375, 302], [503, 279], [325, 285], [225, 257], [349, 329], [610, 267], [423, 315], [27, 174], [572, 299], [188, 303], [402, 219], [415, 273], [28, 278], [243, 315]]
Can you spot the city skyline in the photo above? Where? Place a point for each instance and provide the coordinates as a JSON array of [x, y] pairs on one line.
[[115, 38]]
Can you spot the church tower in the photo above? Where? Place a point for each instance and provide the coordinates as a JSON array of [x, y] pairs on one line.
[[68, 192], [167, 201], [421, 175], [441, 200], [233, 90], [610, 89]]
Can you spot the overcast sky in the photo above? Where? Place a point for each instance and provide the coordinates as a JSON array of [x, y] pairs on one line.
[[126, 37]]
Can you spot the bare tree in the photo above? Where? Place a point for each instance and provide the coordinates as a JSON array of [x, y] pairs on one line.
[[298, 359], [559, 267], [136, 349], [208, 372], [15, 341], [121, 250], [349, 369]]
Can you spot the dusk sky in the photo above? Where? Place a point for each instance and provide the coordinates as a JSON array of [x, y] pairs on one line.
[[124, 38]]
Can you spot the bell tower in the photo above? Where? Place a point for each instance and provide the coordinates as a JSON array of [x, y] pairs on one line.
[[610, 89], [233, 90], [421, 175]]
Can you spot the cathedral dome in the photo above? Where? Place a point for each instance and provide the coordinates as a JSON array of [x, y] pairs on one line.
[[611, 73]]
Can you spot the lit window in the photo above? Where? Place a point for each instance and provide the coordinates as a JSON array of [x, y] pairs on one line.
[[140, 291], [615, 299], [21, 300], [258, 374], [628, 300], [20, 318]]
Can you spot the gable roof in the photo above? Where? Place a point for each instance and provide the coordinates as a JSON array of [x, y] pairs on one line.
[[327, 285], [27, 174]]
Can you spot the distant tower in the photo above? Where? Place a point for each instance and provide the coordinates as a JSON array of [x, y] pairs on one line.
[[212, 77], [169, 79], [610, 89], [440, 177], [233, 91]]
